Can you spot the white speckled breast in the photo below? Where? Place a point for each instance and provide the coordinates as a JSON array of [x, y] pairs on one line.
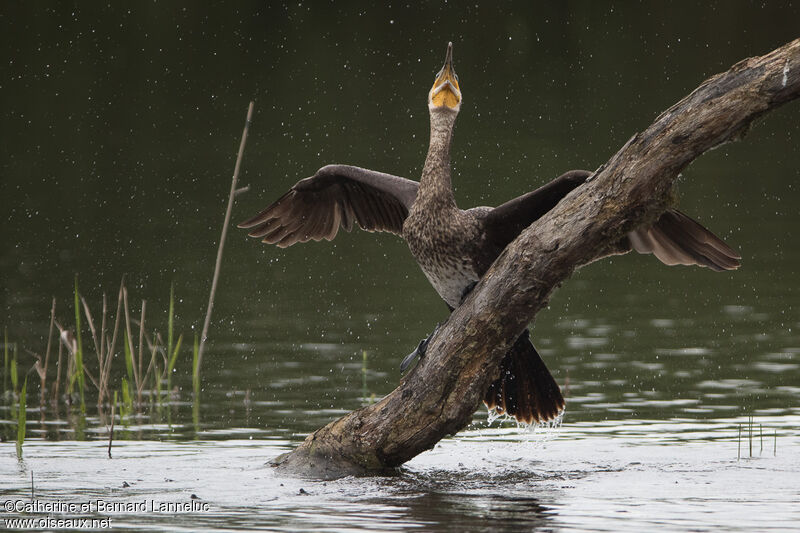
[[451, 283]]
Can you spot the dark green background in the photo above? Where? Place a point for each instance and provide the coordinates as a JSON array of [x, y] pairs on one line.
[[120, 125]]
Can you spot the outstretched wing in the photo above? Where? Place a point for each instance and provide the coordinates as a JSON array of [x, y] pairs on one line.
[[337, 195], [505, 222], [676, 239]]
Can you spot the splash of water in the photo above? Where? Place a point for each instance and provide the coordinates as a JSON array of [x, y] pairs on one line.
[[550, 427]]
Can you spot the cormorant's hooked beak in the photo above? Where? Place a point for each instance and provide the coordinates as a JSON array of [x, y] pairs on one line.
[[445, 91]]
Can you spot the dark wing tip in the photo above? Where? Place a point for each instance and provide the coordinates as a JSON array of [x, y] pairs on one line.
[[676, 239]]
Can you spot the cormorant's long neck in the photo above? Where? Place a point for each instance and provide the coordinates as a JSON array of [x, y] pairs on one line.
[[435, 185]]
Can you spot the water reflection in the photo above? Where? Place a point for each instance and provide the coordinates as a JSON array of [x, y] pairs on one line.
[[474, 512]]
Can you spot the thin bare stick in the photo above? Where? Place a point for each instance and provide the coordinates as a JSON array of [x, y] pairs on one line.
[[91, 325], [37, 365], [225, 225], [47, 353], [102, 355], [94, 340], [69, 342], [91, 378], [103, 329], [739, 444], [153, 366], [164, 355], [110, 348], [128, 329]]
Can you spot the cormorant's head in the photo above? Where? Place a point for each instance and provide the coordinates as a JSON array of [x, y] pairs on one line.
[[445, 92]]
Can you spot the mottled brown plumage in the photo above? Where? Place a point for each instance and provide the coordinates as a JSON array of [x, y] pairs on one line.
[[455, 247]]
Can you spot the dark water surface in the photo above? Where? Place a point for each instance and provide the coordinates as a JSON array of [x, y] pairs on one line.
[[120, 128]]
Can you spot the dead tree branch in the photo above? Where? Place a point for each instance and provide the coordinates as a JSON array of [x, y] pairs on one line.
[[440, 395]]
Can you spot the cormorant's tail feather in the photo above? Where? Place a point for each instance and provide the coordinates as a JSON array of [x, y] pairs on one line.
[[525, 388], [676, 239]]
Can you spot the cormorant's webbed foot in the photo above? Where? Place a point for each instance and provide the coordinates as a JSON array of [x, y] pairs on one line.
[[420, 350]]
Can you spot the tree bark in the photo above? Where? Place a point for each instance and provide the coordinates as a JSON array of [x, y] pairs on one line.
[[439, 396]]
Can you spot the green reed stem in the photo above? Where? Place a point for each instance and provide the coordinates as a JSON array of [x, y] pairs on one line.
[[156, 381], [123, 411], [14, 376], [128, 357], [173, 358], [21, 418], [127, 401], [196, 369]]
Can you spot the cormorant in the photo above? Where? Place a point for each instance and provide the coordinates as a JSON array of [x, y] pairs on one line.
[[455, 247]]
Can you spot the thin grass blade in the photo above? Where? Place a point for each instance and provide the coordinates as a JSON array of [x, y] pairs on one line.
[[22, 418]]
